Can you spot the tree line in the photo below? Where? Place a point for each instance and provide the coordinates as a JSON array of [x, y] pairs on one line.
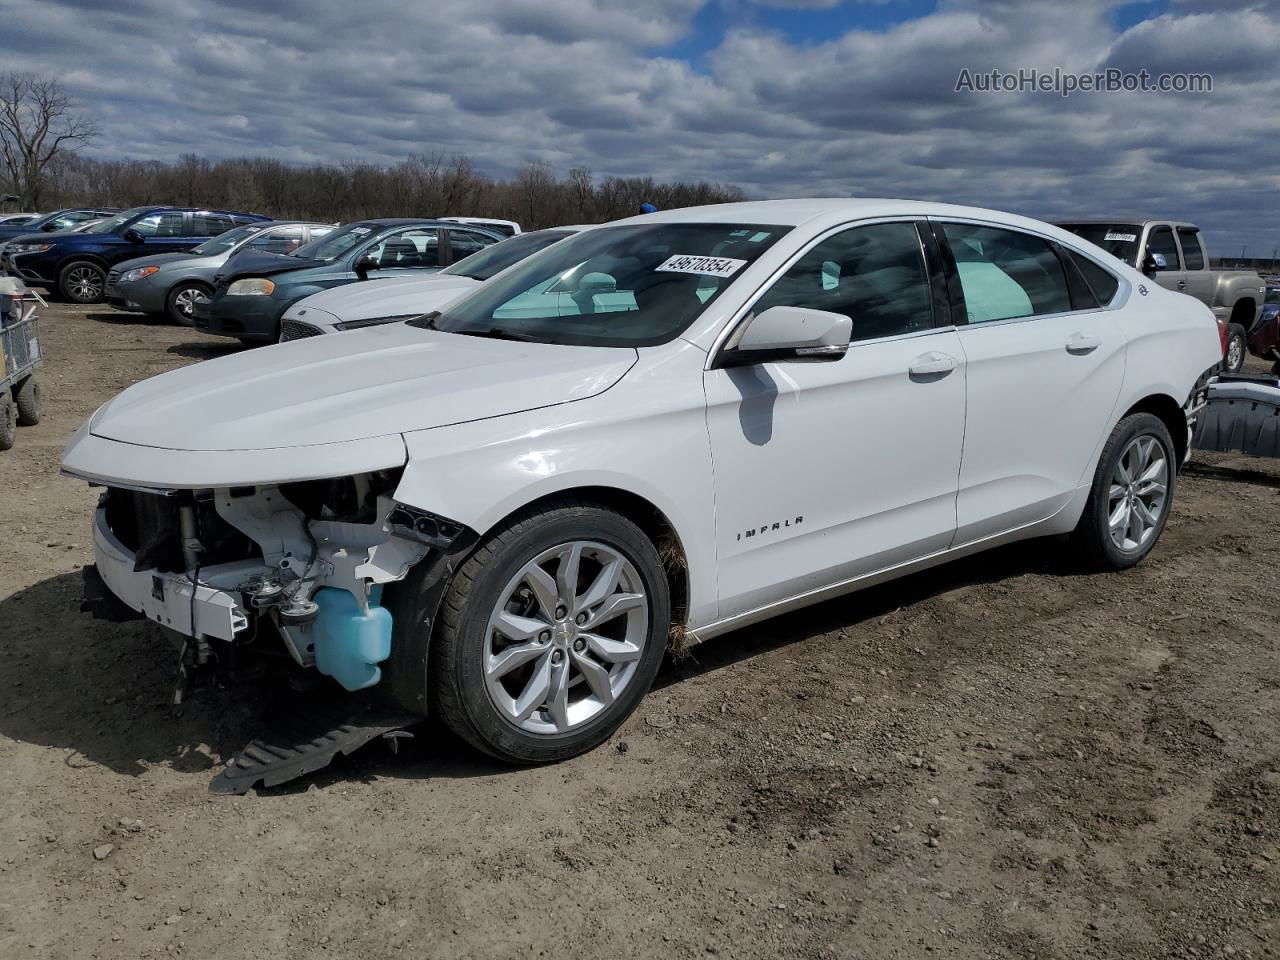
[[422, 185]]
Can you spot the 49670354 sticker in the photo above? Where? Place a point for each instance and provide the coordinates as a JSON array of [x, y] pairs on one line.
[[702, 266]]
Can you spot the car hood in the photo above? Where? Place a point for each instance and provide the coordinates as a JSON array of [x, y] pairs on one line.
[[392, 297], [352, 386], [166, 259], [258, 263]]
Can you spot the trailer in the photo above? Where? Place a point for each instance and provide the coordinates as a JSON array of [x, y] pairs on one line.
[[19, 359]]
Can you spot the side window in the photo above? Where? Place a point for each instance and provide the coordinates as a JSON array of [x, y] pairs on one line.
[[1161, 241], [465, 243], [409, 248], [1192, 252], [160, 225], [1102, 282], [211, 224], [874, 275], [1006, 274], [318, 232], [279, 240]]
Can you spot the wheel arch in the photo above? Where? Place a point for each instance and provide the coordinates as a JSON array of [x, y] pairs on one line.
[[653, 523], [81, 257], [1243, 312], [1171, 413]]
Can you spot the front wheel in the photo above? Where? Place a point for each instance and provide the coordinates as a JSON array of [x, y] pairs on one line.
[[1233, 358], [8, 420], [82, 282], [1131, 495], [550, 634], [182, 300]]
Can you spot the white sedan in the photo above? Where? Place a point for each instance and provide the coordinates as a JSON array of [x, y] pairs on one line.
[[655, 431], [370, 303]]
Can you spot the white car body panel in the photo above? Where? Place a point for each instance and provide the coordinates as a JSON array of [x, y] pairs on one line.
[[889, 471]]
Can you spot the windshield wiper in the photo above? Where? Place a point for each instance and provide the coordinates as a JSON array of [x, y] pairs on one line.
[[498, 333]]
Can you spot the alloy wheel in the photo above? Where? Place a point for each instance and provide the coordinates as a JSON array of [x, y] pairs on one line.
[[84, 284], [187, 298], [566, 637], [1235, 352], [1138, 494]]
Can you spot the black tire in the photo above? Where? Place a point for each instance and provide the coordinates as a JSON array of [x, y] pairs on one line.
[[82, 281], [457, 691], [26, 396], [8, 420], [178, 303], [1233, 356], [1092, 535]]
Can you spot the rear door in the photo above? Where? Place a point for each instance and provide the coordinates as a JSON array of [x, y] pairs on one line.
[[1044, 368], [1198, 280]]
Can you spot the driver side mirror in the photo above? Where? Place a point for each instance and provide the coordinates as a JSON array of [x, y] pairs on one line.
[[794, 334], [133, 236], [1153, 263], [368, 261], [48, 227]]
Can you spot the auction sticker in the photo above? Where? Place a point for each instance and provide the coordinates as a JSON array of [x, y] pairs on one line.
[[702, 266], [1122, 237]]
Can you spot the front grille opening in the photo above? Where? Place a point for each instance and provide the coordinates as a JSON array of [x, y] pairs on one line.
[[148, 525]]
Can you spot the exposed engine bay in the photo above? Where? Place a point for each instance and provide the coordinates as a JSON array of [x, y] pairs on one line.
[[305, 560]]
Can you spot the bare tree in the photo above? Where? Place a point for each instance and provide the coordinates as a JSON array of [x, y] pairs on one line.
[[38, 121]]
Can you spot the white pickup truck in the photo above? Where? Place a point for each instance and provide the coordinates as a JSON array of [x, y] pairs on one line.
[[1173, 254]]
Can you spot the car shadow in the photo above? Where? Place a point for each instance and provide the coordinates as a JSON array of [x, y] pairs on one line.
[[102, 693], [1248, 475], [197, 350]]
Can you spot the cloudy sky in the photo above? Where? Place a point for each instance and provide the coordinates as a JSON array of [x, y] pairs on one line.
[[781, 97]]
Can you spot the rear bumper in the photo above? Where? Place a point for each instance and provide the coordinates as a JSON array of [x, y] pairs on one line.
[[167, 598]]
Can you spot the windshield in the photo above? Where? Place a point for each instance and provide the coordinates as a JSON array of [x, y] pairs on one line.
[[334, 245], [493, 260], [229, 240], [624, 286], [1118, 239], [111, 223]]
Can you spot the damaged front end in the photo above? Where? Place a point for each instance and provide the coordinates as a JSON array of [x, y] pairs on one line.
[[306, 561]]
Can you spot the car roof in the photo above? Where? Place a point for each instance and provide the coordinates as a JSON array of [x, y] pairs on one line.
[[821, 212]]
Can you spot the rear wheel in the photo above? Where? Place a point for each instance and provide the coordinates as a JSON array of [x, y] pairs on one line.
[[1131, 495], [1233, 358], [550, 634], [82, 282], [26, 396], [8, 420], [182, 300]]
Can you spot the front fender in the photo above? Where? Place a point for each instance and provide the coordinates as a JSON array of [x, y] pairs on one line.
[[646, 437]]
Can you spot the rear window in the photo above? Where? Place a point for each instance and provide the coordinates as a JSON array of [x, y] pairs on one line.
[[1118, 239], [1102, 282]]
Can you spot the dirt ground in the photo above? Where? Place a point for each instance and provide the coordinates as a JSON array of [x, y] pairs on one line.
[[1001, 758]]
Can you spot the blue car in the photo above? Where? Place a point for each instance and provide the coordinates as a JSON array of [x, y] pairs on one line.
[[56, 220], [75, 265]]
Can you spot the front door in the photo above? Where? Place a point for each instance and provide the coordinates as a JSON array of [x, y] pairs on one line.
[[1173, 277], [828, 471]]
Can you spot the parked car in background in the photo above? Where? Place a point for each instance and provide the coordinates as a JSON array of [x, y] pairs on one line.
[[1264, 338], [54, 220], [376, 302], [14, 219], [75, 265], [173, 283], [505, 510], [507, 228], [1174, 255], [253, 290]]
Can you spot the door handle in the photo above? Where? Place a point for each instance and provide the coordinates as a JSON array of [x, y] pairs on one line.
[[1182, 284], [931, 366], [1080, 344]]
